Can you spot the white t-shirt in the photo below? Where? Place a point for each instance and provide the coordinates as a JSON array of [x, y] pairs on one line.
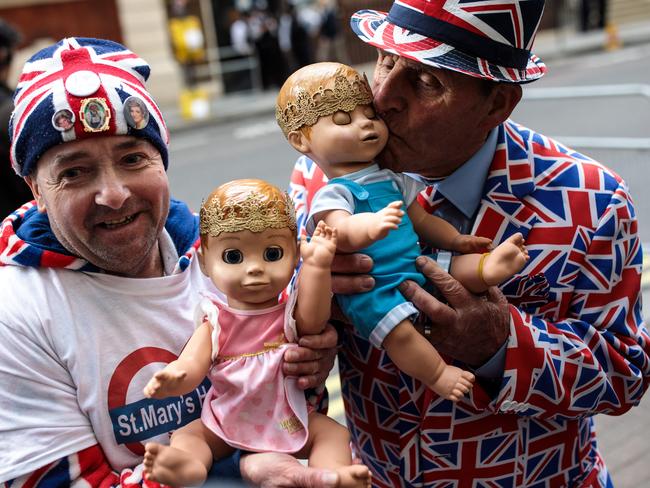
[[77, 351]]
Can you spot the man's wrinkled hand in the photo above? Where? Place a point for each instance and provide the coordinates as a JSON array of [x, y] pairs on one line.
[[350, 274], [469, 328], [276, 470], [313, 359], [467, 244]]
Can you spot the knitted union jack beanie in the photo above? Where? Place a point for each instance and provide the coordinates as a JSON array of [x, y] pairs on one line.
[[81, 88]]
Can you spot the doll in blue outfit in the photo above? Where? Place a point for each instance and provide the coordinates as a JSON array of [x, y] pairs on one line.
[[325, 111]]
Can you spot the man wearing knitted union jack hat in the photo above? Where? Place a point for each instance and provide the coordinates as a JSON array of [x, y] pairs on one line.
[[559, 342], [98, 281]]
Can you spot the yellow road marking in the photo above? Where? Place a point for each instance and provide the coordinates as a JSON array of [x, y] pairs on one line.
[[335, 409]]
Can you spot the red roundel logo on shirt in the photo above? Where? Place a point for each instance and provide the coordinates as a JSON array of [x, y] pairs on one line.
[[144, 418]]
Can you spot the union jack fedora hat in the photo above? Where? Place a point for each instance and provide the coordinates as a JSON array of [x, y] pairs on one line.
[[488, 39]]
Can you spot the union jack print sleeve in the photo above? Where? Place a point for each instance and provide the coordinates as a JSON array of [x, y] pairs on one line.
[[587, 351]]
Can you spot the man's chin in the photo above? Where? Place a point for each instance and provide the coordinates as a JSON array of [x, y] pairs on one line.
[[386, 160]]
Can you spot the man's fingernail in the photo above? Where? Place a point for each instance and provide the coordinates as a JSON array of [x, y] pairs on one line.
[[290, 356], [366, 261], [421, 261], [368, 283], [330, 478], [290, 368]]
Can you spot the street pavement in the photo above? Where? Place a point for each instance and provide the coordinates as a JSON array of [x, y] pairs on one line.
[[623, 439]]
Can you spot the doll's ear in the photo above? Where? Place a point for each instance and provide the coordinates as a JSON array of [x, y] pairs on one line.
[[298, 140], [199, 254]]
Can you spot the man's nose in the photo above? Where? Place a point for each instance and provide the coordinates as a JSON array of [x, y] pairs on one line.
[[112, 191], [390, 92]]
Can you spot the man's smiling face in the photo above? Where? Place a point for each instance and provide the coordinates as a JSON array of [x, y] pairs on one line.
[[107, 200]]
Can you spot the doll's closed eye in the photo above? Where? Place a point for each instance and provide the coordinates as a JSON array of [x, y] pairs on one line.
[[369, 111], [273, 253], [341, 118], [232, 256]]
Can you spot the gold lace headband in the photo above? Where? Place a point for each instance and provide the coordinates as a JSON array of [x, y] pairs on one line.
[[254, 213], [308, 108]]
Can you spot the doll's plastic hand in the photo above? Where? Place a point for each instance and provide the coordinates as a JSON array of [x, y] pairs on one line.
[[162, 382], [313, 359], [387, 219], [272, 469], [469, 328], [320, 249], [466, 244]]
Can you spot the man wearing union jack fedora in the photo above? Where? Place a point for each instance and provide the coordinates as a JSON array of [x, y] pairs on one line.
[[98, 279], [559, 342]]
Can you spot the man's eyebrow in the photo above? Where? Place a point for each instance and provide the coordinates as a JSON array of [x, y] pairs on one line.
[[71, 157], [130, 144]]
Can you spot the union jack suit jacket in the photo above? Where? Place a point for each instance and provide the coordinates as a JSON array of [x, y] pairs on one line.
[[577, 346]]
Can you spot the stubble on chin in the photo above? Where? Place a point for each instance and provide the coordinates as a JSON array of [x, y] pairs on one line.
[[388, 159]]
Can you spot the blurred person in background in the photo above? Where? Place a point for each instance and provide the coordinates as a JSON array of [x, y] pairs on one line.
[[13, 190], [330, 38], [273, 65], [294, 39]]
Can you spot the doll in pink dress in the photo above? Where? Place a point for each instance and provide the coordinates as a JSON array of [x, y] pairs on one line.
[[249, 250]]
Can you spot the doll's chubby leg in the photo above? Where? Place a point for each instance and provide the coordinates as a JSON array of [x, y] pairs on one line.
[[328, 447], [415, 356], [187, 459], [477, 272], [505, 260]]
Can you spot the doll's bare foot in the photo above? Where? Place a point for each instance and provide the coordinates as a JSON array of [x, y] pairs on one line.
[[453, 383], [171, 466], [355, 476], [505, 260]]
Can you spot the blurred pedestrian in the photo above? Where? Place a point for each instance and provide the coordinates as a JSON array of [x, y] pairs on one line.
[[330, 41], [240, 33], [593, 14], [273, 66], [14, 190], [294, 39]]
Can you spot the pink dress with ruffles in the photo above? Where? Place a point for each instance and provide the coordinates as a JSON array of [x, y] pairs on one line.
[[252, 405]]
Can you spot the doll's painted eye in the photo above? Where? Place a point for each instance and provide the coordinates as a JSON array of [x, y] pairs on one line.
[[273, 253], [232, 256], [341, 118]]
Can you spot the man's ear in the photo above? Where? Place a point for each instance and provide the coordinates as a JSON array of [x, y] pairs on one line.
[[299, 141], [503, 100], [36, 191], [297, 260]]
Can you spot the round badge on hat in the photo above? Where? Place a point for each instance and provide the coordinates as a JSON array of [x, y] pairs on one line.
[[63, 120], [82, 83], [94, 114], [136, 113]]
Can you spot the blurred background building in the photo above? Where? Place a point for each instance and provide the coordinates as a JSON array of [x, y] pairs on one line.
[[202, 49]]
